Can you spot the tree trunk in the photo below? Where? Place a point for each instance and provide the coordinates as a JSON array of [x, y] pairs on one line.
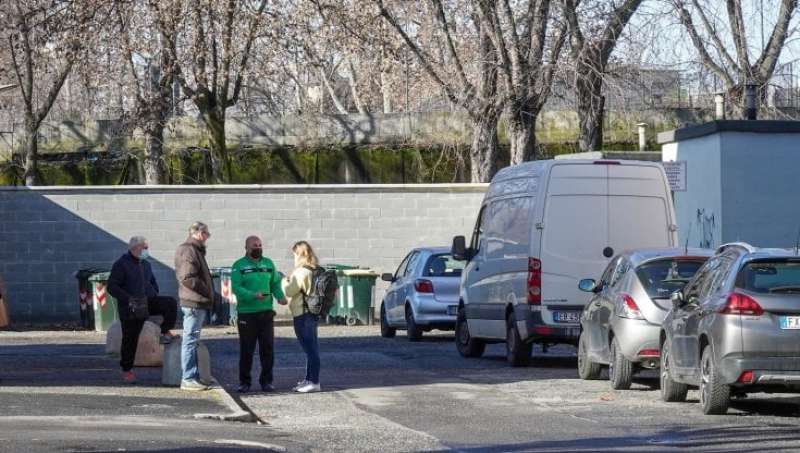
[[483, 153], [591, 109], [521, 132], [155, 169], [31, 175], [220, 164]]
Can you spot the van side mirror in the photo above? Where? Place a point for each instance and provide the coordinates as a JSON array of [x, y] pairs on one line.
[[459, 249], [387, 277], [678, 299], [588, 285]]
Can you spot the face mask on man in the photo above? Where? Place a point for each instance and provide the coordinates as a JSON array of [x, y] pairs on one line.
[[256, 254], [145, 254]]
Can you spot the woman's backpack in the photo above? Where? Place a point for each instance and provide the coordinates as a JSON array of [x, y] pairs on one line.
[[324, 285]]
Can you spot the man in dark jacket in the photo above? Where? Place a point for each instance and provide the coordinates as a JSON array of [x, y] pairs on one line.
[[197, 295], [132, 277]]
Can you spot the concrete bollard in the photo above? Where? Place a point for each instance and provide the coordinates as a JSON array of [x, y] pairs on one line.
[[171, 373], [148, 352]]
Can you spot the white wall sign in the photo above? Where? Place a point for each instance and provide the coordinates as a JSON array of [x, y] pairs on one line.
[[676, 175]]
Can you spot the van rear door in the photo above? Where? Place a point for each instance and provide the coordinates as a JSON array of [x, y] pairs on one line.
[[574, 234], [639, 212]]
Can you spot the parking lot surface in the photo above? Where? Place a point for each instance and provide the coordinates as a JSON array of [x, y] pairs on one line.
[[392, 395]]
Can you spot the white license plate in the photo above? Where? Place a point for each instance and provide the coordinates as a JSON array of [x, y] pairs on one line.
[[452, 310], [566, 316], [790, 322]]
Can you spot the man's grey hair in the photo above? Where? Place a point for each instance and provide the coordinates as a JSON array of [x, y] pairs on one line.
[[136, 240], [198, 227]]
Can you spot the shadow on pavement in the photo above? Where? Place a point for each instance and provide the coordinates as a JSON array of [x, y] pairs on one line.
[[718, 439]]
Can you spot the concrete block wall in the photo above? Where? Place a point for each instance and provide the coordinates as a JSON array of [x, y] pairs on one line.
[[47, 233]]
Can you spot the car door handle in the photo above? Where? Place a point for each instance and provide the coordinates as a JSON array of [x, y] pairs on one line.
[[597, 304]]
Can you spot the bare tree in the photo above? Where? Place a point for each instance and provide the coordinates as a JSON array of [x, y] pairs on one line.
[[152, 67], [212, 60], [591, 43], [45, 40], [475, 91], [733, 64], [528, 54]]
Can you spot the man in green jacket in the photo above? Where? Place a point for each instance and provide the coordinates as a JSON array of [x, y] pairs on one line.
[[255, 282]]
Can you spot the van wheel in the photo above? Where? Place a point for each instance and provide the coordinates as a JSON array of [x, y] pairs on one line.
[[413, 331], [714, 395], [466, 345], [587, 370], [386, 330], [671, 391], [620, 370], [518, 353]]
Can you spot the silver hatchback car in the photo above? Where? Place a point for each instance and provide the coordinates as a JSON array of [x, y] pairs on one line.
[[621, 323], [423, 294], [735, 328]]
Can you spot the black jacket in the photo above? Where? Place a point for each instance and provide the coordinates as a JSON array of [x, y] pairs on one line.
[[131, 277]]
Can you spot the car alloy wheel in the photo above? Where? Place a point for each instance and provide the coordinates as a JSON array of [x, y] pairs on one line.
[[671, 391], [714, 396]]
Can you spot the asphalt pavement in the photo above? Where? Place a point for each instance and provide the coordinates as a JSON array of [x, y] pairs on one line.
[[387, 395], [59, 391]]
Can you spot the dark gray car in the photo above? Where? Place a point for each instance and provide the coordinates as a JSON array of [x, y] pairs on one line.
[[735, 328], [621, 323]]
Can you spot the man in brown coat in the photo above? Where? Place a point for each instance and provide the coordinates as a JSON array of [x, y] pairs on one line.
[[196, 294]]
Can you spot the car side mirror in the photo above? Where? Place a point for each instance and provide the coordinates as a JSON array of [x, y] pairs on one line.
[[678, 299], [459, 249], [387, 277], [587, 285]]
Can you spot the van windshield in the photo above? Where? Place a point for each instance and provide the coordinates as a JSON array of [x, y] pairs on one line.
[[779, 276], [661, 278]]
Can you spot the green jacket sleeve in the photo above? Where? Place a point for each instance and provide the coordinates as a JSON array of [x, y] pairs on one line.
[[243, 295], [277, 291]]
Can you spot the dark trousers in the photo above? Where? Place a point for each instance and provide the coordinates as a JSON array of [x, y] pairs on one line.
[[305, 327], [167, 307], [256, 328]]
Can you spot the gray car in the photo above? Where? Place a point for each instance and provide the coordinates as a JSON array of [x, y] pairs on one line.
[[735, 328], [423, 294], [620, 325]]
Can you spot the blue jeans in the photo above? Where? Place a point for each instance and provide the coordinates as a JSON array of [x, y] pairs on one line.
[[305, 327], [193, 319]]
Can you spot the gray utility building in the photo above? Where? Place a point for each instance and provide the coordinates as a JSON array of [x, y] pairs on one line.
[[735, 181]]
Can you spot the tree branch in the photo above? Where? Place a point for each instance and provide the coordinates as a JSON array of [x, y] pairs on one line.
[[765, 65], [721, 48], [705, 58], [738, 31], [451, 48]]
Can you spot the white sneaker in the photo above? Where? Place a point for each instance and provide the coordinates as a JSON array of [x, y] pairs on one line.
[[310, 387], [299, 384]]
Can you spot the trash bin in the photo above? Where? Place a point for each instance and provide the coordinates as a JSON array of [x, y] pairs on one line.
[[224, 313], [85, 295], [333, 314], [105, 306], [354, 300]]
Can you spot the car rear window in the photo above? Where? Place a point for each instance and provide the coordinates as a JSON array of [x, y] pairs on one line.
[[770, 276], [443, 266], [661, 278]]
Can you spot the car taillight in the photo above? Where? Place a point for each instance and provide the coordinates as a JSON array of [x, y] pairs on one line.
[[741, 304], [649, 353], [534, 281], [746, 378], [628, 308], [423, 286]]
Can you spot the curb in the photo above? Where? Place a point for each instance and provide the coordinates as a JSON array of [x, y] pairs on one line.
[[238, 412]]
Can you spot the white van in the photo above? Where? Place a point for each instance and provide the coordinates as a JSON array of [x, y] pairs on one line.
[[542, 227]]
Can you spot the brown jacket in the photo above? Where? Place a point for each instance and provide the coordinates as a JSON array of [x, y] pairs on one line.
[[195, 287]]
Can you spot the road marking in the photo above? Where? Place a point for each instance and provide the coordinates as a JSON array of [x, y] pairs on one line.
[[247, 443]]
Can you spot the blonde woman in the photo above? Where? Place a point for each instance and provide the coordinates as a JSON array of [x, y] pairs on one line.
[[295, 287]]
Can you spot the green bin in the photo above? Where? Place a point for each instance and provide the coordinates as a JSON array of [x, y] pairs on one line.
[[225, 313], [105, 306], [333, 314], [354, 301]]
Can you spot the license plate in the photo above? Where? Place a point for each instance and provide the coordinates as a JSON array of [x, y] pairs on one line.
[[452, 310], [790, 322], [566, 316]]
